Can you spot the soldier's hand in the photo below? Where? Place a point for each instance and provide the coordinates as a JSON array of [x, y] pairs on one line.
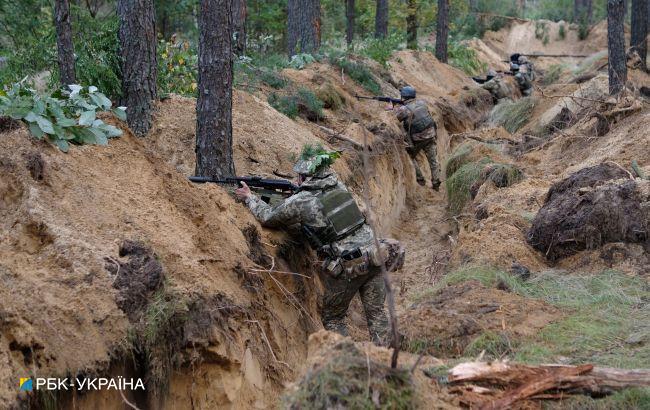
[[389, 107], [243, 192]]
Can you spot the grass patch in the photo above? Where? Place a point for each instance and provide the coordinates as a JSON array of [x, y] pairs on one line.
[[460, 183], [512, 115], [603, 311], [274, 79], [329, 96], [465, 58], [553, 74], [634, 398], [496, 345], [349, 380]]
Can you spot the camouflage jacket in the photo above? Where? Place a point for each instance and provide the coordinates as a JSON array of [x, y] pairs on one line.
[[497, 88], [305, 208], [404, 113]]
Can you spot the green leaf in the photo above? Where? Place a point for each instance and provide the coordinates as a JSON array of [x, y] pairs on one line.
[[111, 131], [66, 122], [100, 136], [31, 117], [86, 118], [101, 101], [120, 112], [35, 130], [39, 107], [88, 135], [62, 144], [45, 124]]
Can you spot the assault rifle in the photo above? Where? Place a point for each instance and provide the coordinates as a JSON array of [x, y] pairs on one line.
[[485, 80], [381, 98], [270, 190]]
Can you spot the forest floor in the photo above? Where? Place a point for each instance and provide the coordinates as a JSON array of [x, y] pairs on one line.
[[225, 312]]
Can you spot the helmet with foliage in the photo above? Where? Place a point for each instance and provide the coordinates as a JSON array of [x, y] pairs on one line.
[[523, 60], [314, 158], [407, 93]]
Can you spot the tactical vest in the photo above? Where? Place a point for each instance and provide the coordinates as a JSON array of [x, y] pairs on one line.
[[342, 214], [419, 117]]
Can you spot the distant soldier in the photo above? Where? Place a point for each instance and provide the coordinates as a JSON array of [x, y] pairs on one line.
[[496, 86], [524, 74], [421, 131], [337, 230]]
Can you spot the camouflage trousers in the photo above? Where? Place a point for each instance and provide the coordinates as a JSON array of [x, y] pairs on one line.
[[430, 151], [340, 290]]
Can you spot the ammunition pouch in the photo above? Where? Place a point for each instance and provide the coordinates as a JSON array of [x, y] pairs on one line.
[[351, 263]]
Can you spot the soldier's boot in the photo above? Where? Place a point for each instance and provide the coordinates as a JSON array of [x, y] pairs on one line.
[[373, 295]]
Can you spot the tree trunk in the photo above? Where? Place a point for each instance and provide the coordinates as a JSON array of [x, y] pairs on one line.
[[349, 14], [582, 11], [616, 46], [640, 28], [381, 19], [303, 26], [239, 13], [214, 156], [412, 25], [473, 6], [139, 70], [64, 44], [442, 30]]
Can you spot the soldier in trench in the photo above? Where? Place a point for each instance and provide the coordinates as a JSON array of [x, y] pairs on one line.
[[421, 132], [336, 229]]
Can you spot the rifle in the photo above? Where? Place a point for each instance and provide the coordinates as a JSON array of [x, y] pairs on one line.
[[270, 190], [381, 98]]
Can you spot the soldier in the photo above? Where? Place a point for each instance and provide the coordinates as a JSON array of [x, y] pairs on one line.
[[524, 75], [337, 230], [496, 86], [421, 132]]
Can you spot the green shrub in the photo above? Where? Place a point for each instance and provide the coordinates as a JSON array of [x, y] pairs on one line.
[[460, 183], [302, 102], [273, 79], [381, 50], [329, 96], [465, 58], [357, 71], [553, 74], [300, 61], [583, 29], [177, 68], [64, 116]]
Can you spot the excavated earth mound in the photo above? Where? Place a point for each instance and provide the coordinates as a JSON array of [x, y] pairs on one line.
[[594, 206]]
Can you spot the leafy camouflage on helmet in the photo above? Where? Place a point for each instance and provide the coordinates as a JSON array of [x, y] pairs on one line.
[[314, 158]]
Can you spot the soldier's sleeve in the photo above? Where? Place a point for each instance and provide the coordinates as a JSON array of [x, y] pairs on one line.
[[289, 212], [401, 113]]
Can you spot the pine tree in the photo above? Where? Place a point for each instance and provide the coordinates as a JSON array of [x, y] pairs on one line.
[[616, 46], [381, 19], [239, 13], [303, 26], [412, 24], [139, 68], [64, 44], [638, 39], [349, 14], [442, 30], [214, 156]]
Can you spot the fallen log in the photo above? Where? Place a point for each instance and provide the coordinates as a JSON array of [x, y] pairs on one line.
[[339, 136], [501, 384]]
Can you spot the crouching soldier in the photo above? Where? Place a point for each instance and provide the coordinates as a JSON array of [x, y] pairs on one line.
[[337, 230], [496, 86], [421, 131]]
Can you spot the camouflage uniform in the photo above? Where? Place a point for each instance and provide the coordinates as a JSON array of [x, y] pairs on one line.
[[497, 88], [341, 278], [525, 76], [425, 140]]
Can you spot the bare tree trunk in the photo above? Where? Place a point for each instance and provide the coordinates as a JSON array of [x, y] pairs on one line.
[[139, 69], [214, 156], [303, 26], [640, 29], [412, 25], [381, 19], [349, 14], [616, 46], [64, 44], [239, 14], [582, 11], [442, 30]]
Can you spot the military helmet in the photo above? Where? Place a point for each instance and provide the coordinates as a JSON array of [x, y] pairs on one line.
[[314, 159], [514, 67], [514, 57], [407, 92], [491, 73]]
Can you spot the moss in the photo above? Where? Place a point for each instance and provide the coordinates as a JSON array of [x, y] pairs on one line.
[[349, 379]]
